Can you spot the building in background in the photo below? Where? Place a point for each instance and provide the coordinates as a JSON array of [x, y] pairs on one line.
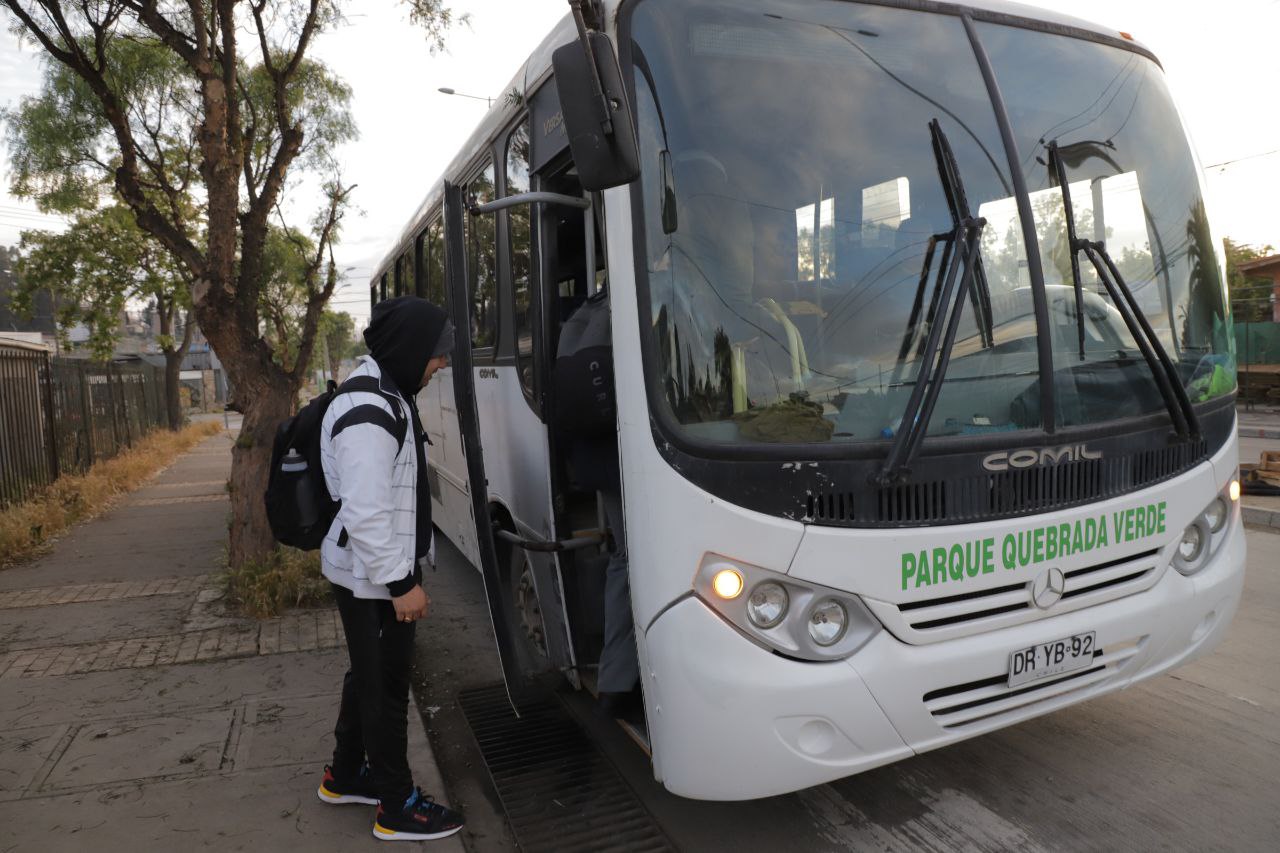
[[1268, 267]]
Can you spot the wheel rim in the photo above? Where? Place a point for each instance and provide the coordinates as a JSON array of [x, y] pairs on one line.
[[530, 611]]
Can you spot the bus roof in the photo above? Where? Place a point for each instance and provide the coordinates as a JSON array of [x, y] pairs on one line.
[[537, 67]]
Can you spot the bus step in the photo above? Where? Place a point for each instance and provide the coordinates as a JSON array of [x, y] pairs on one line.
[[557, 789]]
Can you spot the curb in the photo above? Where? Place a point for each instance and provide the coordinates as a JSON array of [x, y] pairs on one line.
[[1260, 517], [1258, 432]]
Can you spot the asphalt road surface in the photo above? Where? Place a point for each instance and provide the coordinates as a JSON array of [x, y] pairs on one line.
[[1188, 761]]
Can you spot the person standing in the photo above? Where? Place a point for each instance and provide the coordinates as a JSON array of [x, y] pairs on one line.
[[374, 458]]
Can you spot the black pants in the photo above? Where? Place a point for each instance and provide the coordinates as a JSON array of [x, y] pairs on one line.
[[373, 718]]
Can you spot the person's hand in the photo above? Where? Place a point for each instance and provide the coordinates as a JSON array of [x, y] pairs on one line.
[[412, 605]]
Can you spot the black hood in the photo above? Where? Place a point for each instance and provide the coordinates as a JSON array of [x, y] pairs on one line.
[[402, 336]]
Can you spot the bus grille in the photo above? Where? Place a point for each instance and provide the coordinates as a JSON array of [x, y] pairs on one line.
[[950, 616], [988, 701], [1003, 494]]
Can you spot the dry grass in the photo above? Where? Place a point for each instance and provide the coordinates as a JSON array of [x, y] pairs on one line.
[[27, 528], [286, 578]]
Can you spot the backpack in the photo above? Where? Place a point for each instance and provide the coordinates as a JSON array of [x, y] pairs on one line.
[[300, 509], [586, 403]]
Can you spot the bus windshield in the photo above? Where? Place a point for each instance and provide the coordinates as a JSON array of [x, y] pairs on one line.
[[797, 231]]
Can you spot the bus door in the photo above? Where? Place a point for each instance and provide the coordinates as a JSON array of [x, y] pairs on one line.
[[464, 394]]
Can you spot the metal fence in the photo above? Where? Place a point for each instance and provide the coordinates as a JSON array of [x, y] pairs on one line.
[[59, 416]]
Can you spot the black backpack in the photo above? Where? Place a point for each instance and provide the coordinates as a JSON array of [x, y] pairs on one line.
[[586, 404], [299, 508]]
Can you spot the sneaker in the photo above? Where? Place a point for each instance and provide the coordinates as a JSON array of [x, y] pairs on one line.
[[421, 819], [358, 789]]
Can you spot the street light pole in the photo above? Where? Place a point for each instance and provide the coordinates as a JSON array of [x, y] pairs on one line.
[[447, 91]]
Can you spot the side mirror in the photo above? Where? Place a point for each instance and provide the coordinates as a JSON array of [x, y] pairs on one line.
[[597, 117]]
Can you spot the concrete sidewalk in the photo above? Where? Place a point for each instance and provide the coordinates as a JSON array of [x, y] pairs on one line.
[[137, 715]]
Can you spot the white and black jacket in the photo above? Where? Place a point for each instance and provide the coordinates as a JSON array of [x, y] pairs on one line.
[[372, 541]]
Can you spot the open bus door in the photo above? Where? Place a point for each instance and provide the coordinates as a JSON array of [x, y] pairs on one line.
[[464, 392]]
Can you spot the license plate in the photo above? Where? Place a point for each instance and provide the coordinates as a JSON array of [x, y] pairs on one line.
[[1053, 658]]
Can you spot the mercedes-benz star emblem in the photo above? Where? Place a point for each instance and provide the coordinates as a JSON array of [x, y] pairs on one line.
[[1048, 588]]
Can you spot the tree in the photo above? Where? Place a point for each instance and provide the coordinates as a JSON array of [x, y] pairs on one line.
[[94, 269], [244, 114], [338, 332], [1250, 295]]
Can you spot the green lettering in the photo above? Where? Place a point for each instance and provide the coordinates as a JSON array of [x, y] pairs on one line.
[[1039, 547], [1128, 525], [1009, 551], [939, 565], [1051, 543], [988, 556], [1102, 531], [922, 570], [1090, 533], [908, 567], [1024, 548], [1160, 517], [955, 565], [1140, 523], [972, 558]]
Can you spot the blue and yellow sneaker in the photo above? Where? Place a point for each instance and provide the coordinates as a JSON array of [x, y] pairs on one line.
[[420, 819], [357, 789]]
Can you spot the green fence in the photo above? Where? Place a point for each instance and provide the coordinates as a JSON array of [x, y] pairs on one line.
[[1258, 343]]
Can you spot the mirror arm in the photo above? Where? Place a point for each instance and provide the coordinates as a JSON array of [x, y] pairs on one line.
[[530, 198], [597, 86]]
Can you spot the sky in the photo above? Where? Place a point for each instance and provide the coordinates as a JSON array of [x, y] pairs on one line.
[[1220, 64]]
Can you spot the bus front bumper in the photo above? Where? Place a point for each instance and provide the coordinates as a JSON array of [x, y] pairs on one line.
[[731, 720]]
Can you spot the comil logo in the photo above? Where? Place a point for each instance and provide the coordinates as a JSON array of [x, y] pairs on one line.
[[1029, 456]]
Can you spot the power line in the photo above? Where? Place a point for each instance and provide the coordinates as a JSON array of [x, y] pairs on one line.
[[1242, 159]]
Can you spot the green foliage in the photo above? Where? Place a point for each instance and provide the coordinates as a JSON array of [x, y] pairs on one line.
[[337, 330], [62, 149], [435, 19], [93, 270]]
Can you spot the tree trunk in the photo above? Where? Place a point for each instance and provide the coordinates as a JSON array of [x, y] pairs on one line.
[[172, 397], [266, 404]]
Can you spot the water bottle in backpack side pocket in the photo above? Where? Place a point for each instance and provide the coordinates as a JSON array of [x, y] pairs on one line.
[[294, 467]]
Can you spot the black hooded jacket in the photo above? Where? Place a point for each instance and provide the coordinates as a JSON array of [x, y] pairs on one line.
[[402, 335]]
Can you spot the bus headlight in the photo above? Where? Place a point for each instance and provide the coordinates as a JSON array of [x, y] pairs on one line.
[[767, 604], [727, 583], [1203, 536], [1192, 544], [827, 622], [1217, 514], [791, 617]]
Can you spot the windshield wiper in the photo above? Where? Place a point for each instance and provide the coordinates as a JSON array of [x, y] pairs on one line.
[[961, 274], [1183, 414], [1060, 173]]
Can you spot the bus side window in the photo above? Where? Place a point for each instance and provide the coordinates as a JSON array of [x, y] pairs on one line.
[[404, 275], [435, 264], [520, 247], [482, 263], [420, 265]]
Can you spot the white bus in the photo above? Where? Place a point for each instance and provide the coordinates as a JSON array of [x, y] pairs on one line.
[[924, 367]]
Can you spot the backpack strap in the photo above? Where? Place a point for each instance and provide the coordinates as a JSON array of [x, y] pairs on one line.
[[397, 424]]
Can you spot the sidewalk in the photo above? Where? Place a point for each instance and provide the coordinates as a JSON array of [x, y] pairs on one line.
[[1258, 422], [136, 715]]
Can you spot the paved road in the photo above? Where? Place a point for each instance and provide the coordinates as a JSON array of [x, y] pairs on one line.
[[1188, 761]]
